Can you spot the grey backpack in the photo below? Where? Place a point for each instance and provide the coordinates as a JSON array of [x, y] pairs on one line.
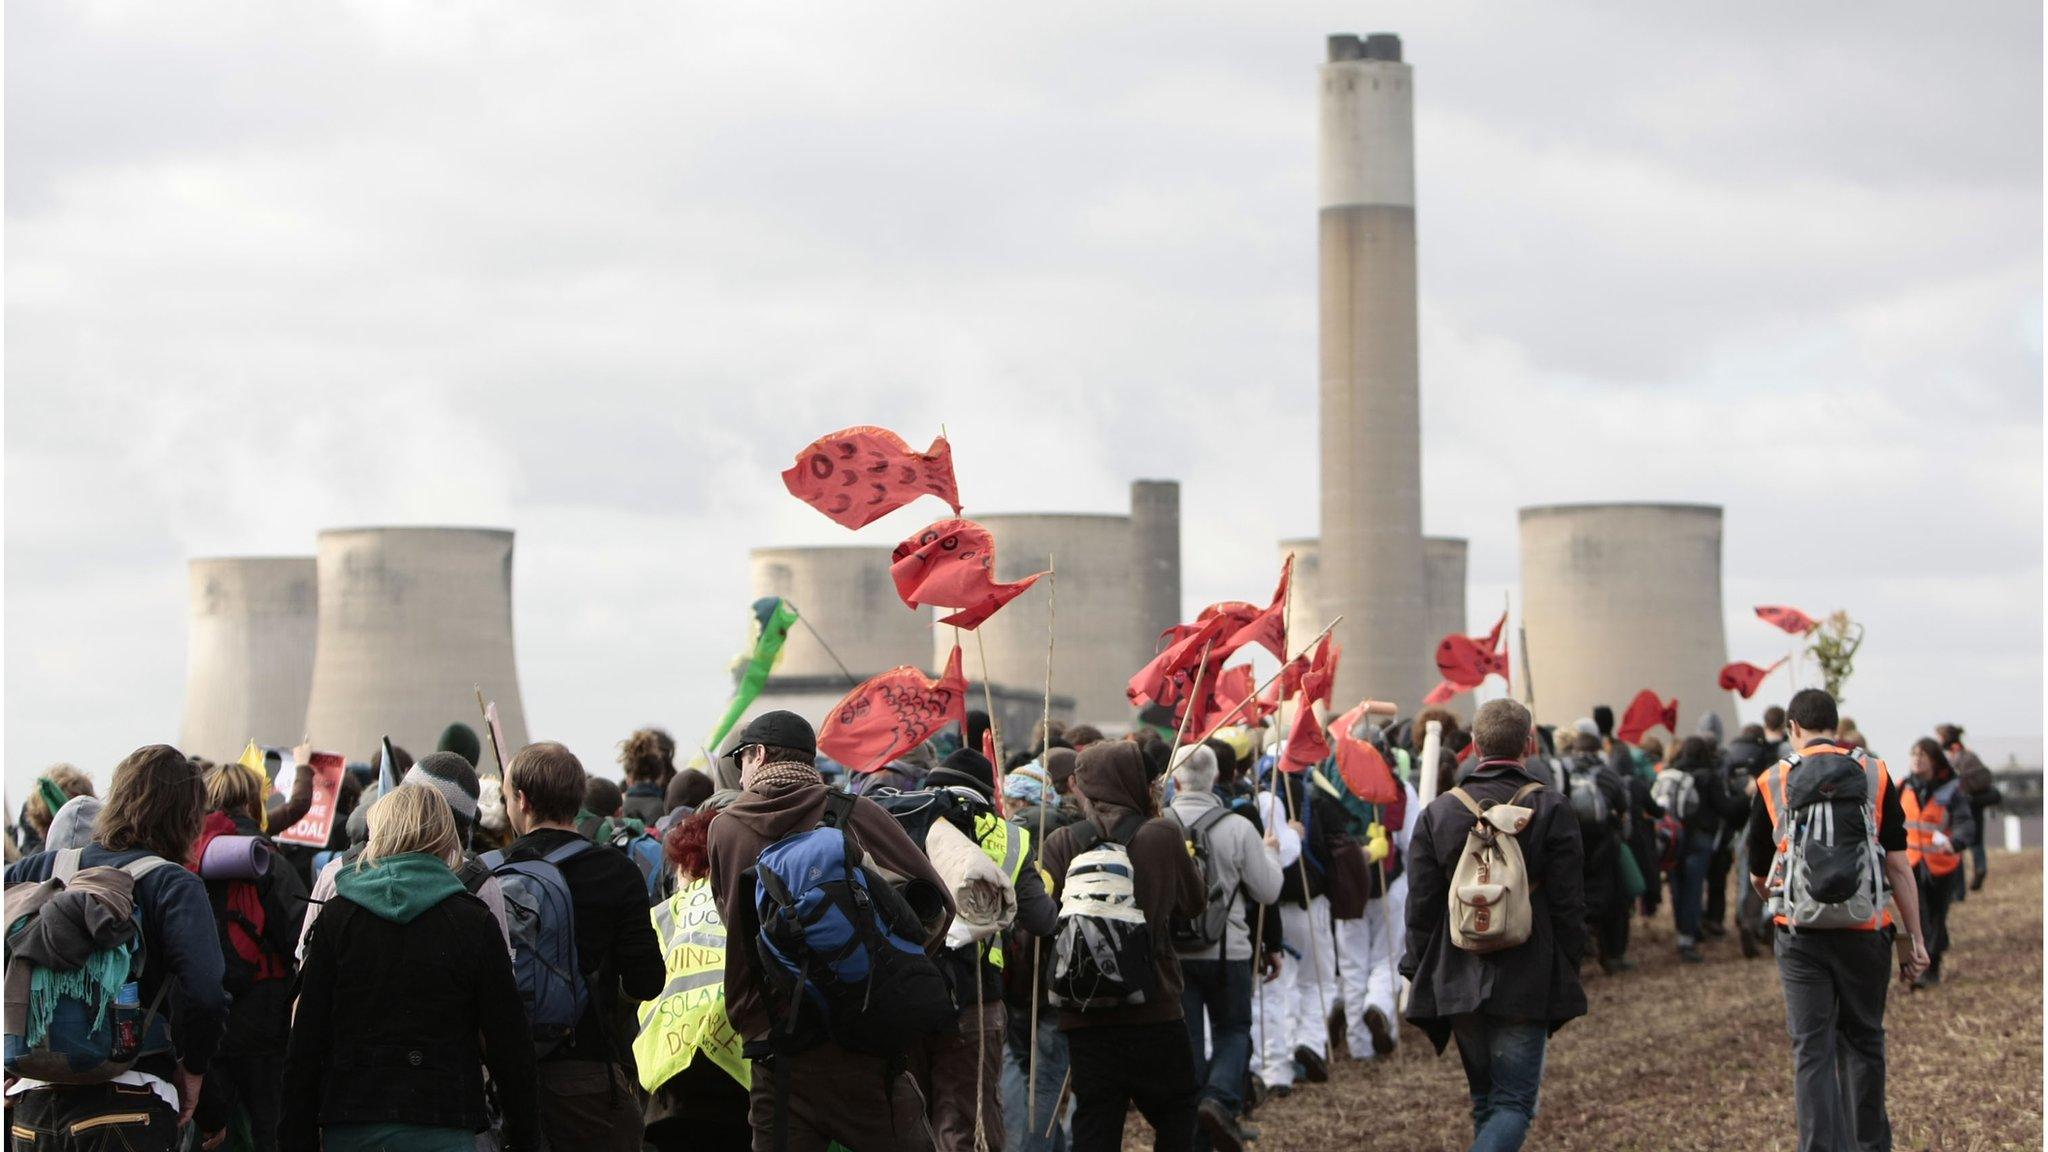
[[1829, 870]]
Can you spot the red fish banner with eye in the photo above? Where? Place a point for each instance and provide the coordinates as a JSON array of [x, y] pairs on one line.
[[952, 564], [1786, 619], [893, 713], [858, 475]]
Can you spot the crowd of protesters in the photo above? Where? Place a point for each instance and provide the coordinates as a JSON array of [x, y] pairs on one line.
[[948, 952]]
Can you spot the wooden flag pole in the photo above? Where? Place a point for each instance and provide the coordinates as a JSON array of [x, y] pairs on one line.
[[1193, 696], [1045, 768], [1257, 692], [988, 700], [497, 753]]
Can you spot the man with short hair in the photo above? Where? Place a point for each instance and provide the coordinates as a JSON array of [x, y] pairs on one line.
[[1500, 1006], [1835, 979], [862, 1100], [1244, 872], [147, 829], [587, 1084]]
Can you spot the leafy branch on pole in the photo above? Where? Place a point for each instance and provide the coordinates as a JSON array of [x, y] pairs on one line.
[[1833, 648]]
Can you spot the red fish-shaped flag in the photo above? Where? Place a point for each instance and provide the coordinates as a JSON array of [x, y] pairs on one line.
[[952, 564], [1361, 766], [1306, 744], [1442, 693], [859, 475], [1267, 627], [1786, 619], [1743, 678], [1321, 677], [1170, 675], [893, 713], [1644, 713], [1225, 692], [1466, 661]]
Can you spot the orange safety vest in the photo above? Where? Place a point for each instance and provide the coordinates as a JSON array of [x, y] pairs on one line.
[[1771, 786], [1923, 820]]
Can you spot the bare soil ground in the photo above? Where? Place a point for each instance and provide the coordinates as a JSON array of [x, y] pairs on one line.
[[1678, 1057]]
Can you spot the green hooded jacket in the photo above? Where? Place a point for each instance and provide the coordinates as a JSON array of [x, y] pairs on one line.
[[398, 888]]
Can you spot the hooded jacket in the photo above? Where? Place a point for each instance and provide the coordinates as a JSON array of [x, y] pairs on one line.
[[404, 974], [1248, 870], [765, 814], [1112, 781]]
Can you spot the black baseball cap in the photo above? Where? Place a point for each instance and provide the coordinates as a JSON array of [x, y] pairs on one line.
[[779, 728]]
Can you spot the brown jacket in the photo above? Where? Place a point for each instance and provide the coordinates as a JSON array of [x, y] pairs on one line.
[[758, 819], [1111, 780]]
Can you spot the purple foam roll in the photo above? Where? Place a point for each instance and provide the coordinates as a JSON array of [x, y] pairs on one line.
[[235, 858]]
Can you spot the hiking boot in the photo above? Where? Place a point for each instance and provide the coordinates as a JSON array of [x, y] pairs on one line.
[[1977, 882], [1314, 1068], [1691, 955], [1255, 1092], [1218, 1124], [1339, 1030], [1281, 1091], [1750, 945], [1713, 931], [1384, 1039]]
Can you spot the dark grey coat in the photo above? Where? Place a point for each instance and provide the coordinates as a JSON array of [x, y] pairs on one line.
[[1538, 980]]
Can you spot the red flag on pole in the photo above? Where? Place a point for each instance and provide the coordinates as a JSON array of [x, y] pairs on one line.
[[1744, 678], [1644, 713], [1169, 675], [859, 475], [893, 713], [1225, 691], [952, 564], [1787, 619], [1442, 693], [1361, 766], [1268, 627], [1306, 744], [1464, 663], [1320, 678]]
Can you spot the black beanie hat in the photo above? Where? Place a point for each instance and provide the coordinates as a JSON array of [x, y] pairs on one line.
[[966, 767], [460, 739], [1603, 719]]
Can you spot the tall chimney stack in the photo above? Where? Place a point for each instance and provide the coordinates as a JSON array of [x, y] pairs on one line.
[[1372, 554]]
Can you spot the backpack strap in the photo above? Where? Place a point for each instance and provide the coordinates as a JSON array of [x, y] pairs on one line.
[[137, 869], [1525, 790], [1470, 804], [67, 865], [574, 847]]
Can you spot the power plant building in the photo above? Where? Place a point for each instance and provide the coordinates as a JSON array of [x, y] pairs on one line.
[[412, 622], [1443, 559], [249, 653], [1617, 598], [1119, 588], [854, 625]]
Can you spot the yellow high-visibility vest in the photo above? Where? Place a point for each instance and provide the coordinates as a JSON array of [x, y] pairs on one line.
[[688, 1016], [1008, 845]]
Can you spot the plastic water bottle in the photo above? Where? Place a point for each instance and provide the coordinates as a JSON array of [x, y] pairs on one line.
[[127, 1021]]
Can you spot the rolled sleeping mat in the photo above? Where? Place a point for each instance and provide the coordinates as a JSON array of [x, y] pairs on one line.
[[235, 858]]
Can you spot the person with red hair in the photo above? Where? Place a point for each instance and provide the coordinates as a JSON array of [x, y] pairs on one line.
[[687, 1054]]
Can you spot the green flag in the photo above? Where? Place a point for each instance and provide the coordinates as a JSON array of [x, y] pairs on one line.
[[773, 618]]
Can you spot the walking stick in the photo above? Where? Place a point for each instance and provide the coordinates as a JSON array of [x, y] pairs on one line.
[[1045, 766]]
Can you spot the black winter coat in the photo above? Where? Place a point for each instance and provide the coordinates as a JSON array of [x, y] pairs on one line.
[[396, 1023], [1539, 980]]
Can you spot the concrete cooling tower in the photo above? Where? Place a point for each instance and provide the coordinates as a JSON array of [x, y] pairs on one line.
[[1371, 420], [1621, 597], [846, 597], [248, 653], [1119, 588], [412, 622], [1443, 594]]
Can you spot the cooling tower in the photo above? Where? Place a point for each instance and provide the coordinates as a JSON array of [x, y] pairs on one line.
[[1621, 597], [1443, 570], [1109, 606], [1304, 607], [1371, 422], [412, 622], [844, 596], [248, 654]]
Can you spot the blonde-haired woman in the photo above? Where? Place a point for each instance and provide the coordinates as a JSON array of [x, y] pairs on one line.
[[406, 996]]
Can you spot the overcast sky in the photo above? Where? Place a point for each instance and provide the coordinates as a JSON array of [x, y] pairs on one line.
[[595, 271]]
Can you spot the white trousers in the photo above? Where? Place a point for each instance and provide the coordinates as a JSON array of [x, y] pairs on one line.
[[1315, 983], [1273, 1026], [1368, 950]]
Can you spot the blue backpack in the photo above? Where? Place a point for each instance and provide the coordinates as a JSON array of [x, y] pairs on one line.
[[839, 946], [84, 1025], [632, 838], [543, 922]]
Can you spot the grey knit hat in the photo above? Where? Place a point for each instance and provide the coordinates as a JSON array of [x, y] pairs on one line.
[[450, 775]]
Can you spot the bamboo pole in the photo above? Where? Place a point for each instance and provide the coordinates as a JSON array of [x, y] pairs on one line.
[[1045, 767]]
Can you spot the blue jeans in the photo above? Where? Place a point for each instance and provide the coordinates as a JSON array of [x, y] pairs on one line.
[[1504, 1070], [1223, 989], [1689, 886], [1052, 1069]]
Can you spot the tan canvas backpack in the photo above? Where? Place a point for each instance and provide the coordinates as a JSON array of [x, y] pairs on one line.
[[1490, 886]]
